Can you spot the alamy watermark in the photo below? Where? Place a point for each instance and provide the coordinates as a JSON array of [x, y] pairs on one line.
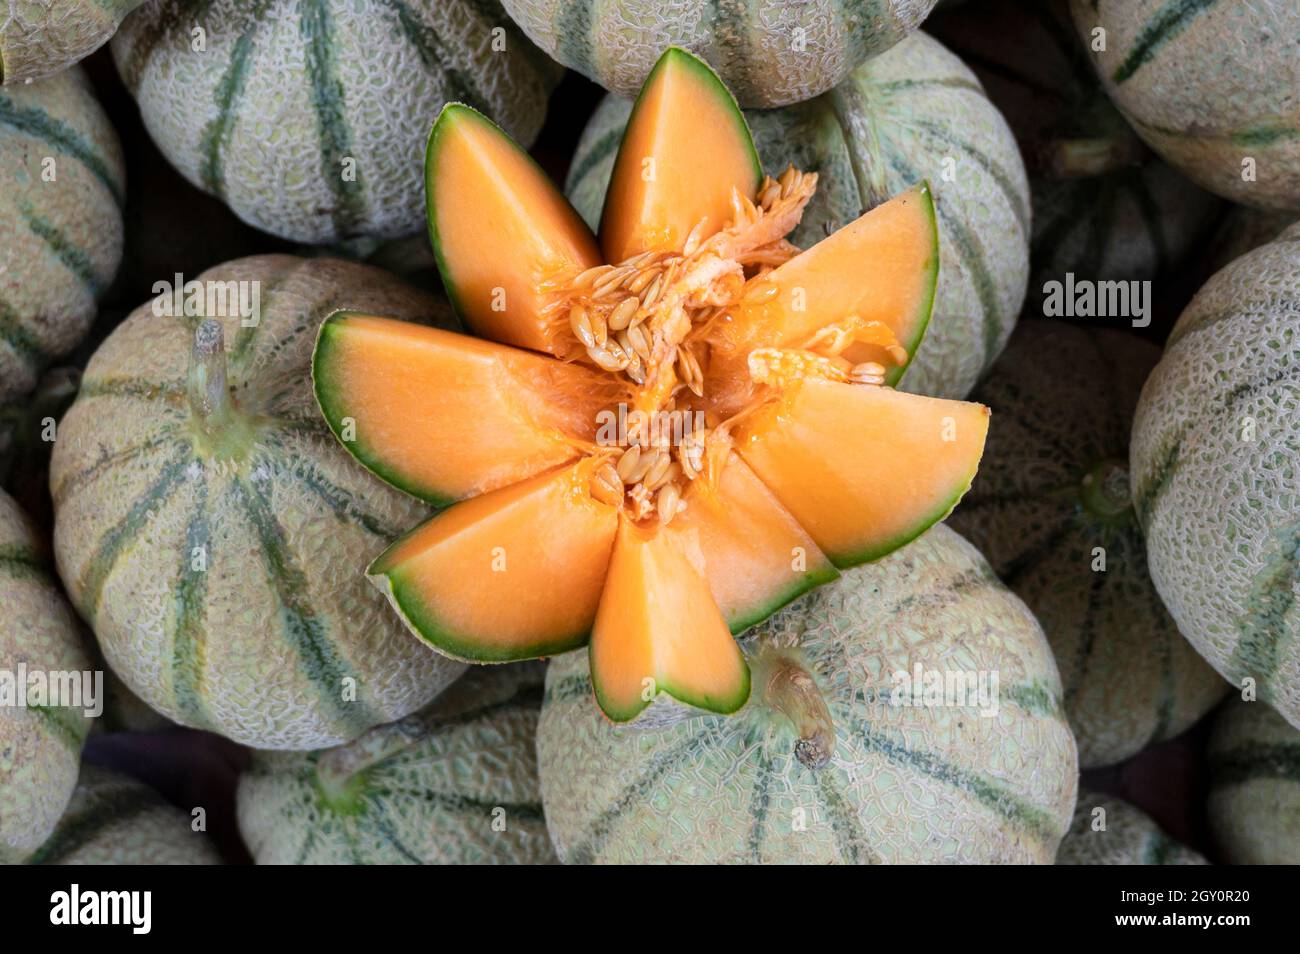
[[209, 299], [947, 688], [24, 688], [1083, 298]]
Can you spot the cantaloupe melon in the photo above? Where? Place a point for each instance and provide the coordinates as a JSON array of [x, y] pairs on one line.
[[1254, 804], [453, 784], [1213, 459], [308, 118], [208, 526], [40, 744], [914, 112], [770, 52], [1052, 513], [695, 354], [38, 39], [826, 763], [1210, 85], [1108, 831], [62, 186]]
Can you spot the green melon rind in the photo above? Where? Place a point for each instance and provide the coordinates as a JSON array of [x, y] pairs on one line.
[[720, 704], [926, 310], [809, 580]]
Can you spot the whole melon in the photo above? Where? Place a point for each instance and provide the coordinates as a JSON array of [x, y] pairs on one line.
[[1053, 488], [1254, 804], [40, 745], [1120, 835], [115, 820], [1210, 85], [871, 773], [1214, 457], [41, 37], [309, 119], [62, 186], [896, 120], [455, 784], [768, 52], [213, 532]]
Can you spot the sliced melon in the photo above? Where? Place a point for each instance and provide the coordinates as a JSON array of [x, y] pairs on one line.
[[444, 416], [659, 630], [514, 574], [685, 148], [756, 556], [502, 234], [864, 470]]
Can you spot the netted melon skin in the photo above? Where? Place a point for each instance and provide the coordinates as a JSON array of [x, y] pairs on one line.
[[1130, 837], [1254, 803], [905, 784], [41, 37], [1214, 461]]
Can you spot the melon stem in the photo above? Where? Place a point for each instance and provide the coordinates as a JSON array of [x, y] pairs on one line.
[[209, 390], [792, 691], [1104, 490], [1091, 156], [337, 769]]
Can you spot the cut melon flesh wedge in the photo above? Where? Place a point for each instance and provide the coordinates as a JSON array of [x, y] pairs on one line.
[[659, 630], [513, 574], [756, 556], [444, 416], [501, 232], [863, 469], [685, 148]]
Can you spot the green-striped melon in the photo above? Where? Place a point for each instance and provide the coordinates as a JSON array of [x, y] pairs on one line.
[[41, 37], [309, 119], [895, 784], [1210, 85], [1104, 206], [895, 121], [210, 533], [1052, 488], [1119, 834], [1254, 804], [40, 746], [115, 820], [768, 52], [1214, 459], [455, 784], [62, 185]]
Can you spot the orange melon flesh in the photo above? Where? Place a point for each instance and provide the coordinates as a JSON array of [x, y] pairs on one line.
[[444, 416], [864, 469], [658, 627], [500, 230], [881, 267], [514, 574], [756, 556], [685, 148]]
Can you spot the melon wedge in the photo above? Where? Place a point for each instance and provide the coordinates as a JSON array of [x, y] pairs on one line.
[[444, 416], [685, 148], [864, 470], [755, 555], [514, 574], [659, 630], [501, 232]]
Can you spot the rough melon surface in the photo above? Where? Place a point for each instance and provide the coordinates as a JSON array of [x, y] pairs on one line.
[[897, 784], [454, 784], [1254, 804], [212, 541], [1214, 458], [41, 37], [1210, 85], [892, 122], [1119, 834], [309, 119], [62, 187], [1052, 489]]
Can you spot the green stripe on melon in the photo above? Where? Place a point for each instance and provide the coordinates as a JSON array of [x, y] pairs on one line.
[[1107, 831], [1254, 803], [44, 38], [713, 789]]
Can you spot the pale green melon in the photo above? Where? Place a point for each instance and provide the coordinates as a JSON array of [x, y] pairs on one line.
[[895, 783], [62, 185], [768, 52], [1210, 85], [115, 820], [41, 37], [1052, 488], [1254, 804], [894, 122], [214, 536], [1215, 456], [1119, 835], [455, 784], [40, 747], [310, 119]]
